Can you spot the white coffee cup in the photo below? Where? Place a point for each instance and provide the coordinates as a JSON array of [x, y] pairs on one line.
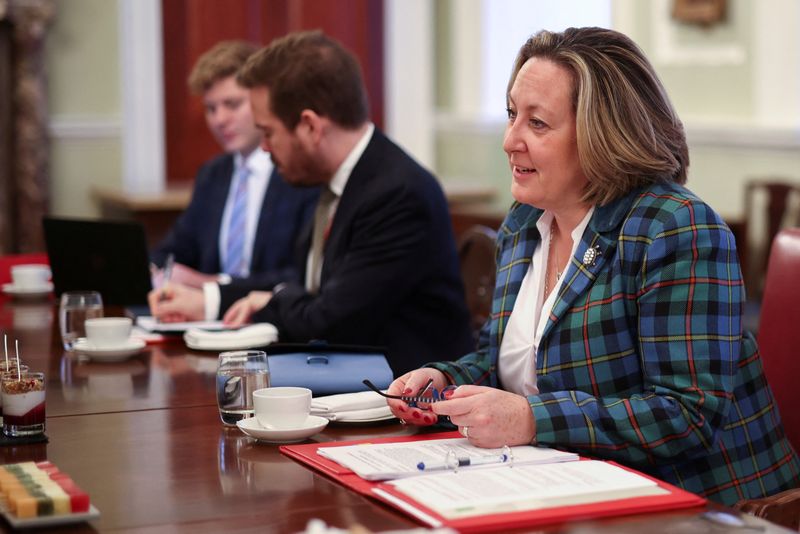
[[108, 332], [30, 276], [282, 408]]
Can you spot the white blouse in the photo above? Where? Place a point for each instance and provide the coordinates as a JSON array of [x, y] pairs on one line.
[[517, 360]]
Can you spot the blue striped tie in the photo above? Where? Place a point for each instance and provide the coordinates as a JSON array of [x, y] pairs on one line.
[[234, 257]]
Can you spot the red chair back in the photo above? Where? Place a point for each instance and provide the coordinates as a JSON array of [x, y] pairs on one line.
[[6, 262], [779, 329]]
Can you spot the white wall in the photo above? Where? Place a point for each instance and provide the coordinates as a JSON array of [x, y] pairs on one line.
[[736, 86]]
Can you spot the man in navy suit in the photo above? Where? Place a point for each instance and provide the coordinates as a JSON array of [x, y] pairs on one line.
[[243, 219], [380, 264]]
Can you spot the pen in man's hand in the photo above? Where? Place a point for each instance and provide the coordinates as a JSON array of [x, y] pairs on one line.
[[461, 461], [168, 265]]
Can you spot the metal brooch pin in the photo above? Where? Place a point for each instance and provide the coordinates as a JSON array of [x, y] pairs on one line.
[[591, 255]]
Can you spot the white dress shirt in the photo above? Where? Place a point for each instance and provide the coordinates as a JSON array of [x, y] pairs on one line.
[[517, 360]]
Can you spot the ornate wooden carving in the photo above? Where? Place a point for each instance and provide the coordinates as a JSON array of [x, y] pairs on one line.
[[24, 191]]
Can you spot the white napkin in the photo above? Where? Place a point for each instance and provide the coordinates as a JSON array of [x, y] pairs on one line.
[[360, 416], [363, 406], [244, 338]]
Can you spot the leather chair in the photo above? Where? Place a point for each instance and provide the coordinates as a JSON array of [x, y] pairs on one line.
[[776, 197], [779, 335], [778, 340], [476, 253], [782, 509]]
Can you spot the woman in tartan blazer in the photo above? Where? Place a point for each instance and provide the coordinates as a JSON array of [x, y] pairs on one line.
[[616, 327]]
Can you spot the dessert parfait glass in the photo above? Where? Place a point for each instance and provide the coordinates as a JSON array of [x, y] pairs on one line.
[[9, 367], [23, 403]]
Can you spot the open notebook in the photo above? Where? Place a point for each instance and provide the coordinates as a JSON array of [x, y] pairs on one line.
[[498, 496]]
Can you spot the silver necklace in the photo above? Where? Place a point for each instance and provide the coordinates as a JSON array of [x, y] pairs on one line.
[[549, 253]]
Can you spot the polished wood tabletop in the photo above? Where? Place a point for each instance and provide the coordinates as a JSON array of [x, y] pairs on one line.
[[143, 437]]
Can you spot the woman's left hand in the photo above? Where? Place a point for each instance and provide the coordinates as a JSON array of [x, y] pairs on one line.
[[489, 417]]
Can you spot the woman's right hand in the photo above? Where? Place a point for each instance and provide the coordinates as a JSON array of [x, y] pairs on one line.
[[412, 383]]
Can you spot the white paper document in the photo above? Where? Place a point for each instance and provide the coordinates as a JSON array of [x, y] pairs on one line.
[[151, 324], [524, 487], [388, 461]]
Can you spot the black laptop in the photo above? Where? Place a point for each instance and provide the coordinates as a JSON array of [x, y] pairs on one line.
[[100, 255]]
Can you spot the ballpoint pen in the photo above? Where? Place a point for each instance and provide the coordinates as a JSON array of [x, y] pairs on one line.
[[168, 266], [454, 462]]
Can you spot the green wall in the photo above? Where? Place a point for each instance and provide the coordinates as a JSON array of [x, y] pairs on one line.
[[82, 62], [702, 94], [82, 56]]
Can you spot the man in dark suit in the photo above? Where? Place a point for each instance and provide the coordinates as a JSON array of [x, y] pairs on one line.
[[380, 265], [243, 219]]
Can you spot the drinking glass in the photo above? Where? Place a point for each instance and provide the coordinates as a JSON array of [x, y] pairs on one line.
[[239, 374], [23, 403], [76, 307]]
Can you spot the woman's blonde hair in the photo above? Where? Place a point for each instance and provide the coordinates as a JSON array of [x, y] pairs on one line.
[[628, 132]]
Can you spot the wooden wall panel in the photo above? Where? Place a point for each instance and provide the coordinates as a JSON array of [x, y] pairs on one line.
[[190, 27]]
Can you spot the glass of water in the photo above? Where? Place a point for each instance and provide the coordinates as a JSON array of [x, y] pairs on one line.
[[239, 374], [76, 307]]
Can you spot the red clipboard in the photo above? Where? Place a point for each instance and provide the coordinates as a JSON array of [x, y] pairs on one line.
[[676, 498]]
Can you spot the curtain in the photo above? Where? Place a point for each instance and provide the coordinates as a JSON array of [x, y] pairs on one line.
[[24, 145]]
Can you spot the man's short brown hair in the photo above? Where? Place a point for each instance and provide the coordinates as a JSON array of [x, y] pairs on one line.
[[309, 70], [220, 62]]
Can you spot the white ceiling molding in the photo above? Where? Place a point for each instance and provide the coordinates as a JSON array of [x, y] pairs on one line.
[[84, 127], [747, 136]]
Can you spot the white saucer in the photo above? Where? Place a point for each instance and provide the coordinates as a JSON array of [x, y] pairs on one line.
[[129, 348], [11, 289], [253, 428]]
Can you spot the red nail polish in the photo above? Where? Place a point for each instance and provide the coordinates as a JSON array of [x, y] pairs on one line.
[[403, 409], [407, 391], [428, 419], [449, 393], [416, 415]]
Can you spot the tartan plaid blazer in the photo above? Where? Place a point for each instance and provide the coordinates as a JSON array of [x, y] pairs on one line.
[[643, 360]]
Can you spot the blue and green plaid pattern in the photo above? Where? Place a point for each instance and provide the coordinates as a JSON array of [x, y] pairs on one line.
[[643, 360]]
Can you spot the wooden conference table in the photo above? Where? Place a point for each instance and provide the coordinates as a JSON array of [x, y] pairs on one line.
[[143, 437]]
